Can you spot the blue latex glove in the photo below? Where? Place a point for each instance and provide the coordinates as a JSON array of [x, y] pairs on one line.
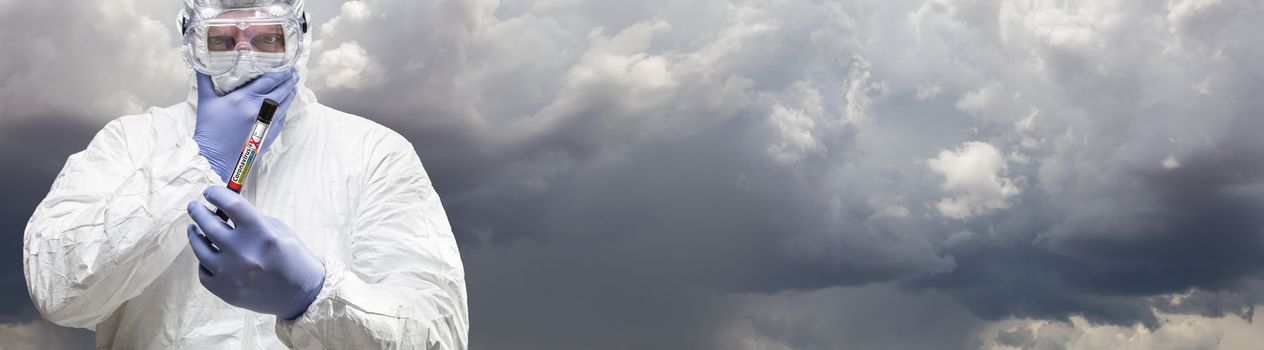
[[260, 265], [223, 122]]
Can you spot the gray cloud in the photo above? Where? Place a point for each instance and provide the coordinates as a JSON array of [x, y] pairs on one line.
[[872, 317], [33, 151], [43, 335], [62, 69], [762, 174]]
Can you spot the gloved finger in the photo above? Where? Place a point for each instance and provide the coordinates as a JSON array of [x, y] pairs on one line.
[[287, 87], [238, 209], [209, 281], [283, 104], [278, 122], [204, 86], [202, 248], [281, 95], [210, 225], [267, 82]]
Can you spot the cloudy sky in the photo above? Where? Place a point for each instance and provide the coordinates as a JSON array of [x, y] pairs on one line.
[[757, 174]]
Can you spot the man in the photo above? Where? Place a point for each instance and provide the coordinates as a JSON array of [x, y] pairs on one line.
[[338, 240]]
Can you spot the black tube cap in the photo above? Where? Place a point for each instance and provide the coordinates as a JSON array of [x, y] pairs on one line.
[[267, 110]]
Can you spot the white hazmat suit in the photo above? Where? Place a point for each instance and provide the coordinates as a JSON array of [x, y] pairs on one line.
[[107, 248]]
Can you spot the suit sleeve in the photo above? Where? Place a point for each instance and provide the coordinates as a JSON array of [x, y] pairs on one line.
[[105, 231], [404, 286]]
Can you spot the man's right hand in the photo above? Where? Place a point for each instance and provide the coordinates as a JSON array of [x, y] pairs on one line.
[[223, 122]]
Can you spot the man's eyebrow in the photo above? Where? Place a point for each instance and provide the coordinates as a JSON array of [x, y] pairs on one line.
[[271, 29]]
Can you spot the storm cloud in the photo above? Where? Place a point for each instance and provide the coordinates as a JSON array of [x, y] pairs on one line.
[[761, 174]]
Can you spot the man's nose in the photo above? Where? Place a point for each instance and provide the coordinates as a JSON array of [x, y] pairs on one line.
[[243, 40]]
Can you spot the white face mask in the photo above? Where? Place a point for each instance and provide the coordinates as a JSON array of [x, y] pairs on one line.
[[243, 72]]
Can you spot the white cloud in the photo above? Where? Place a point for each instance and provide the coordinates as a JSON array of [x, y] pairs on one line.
[[929, 91], [974, 172], [1176, 332], [548, 5], [861, 91], [797, 141], [345, 67], [993, 103], [351, 11], [1202, 17], [1170, 163]]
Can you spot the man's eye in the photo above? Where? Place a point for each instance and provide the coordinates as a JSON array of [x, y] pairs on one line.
[[219, 40], [269, 39]]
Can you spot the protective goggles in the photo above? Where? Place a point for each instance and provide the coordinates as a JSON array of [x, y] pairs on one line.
[[269, 38]]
